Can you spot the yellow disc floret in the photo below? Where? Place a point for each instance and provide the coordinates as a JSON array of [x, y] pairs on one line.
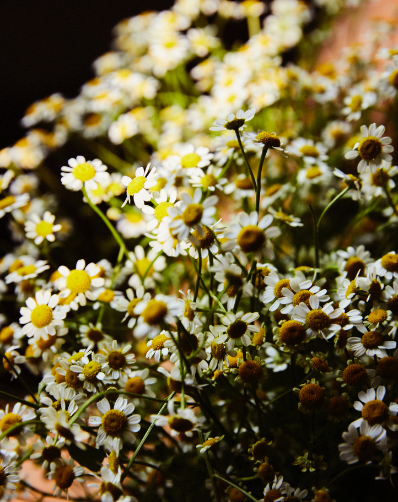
[[41, 316], [44, 228], [192, 214], [161, 210], [84, 171], [64, 477], [8, 421], [154, 312], [91, 370], [190, 160], [114, 423], [78, 281], [136, 185], [209, 180]]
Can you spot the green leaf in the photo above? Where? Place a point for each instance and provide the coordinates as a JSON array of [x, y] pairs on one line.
[[91, 457]]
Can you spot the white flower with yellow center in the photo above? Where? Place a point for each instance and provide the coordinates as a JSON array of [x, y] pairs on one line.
[[11, 202], [143, 264], [310, 152], [93, 334], [180, 421], [386, 266], [64, 475], [89, 372], [373, 149], [237, 326], [157, 346], [319, 322], [209, 180], [251, 235], [354, 260], [81, 172], [40, 317], [191, 157], [116, 424], [18, 415], [41, 228], [187, 311], [49, 451], [46, 349], [128, 304], [206, 242], [164, 240], [8, 475], [162, 202], [300, 292], [27, 272], [362, 444], [233, 122], [137, 382], [15, 359], [266, 139], [372, 344], [290, 220], [216, 349], [192, 214], [356, 101], [77, 285], [115, 361], [372, 408], [138, 186], [131, 224]]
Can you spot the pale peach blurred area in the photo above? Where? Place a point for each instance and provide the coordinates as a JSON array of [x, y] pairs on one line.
[[354, 27]]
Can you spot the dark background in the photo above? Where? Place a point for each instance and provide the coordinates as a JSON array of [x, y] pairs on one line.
[[48, 46]]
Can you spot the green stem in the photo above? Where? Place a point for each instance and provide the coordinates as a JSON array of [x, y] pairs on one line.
[[210, 469], [145, 437], [249, 169], [149, 267], [19, 400], [19, 425], [339, 196], [226, 165], [388, 195], [18, 376], [199, 275], [248, 495], [116, 236], [260, 168], [25, 457]]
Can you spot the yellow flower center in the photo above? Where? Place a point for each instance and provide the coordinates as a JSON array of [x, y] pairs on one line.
[[106, 296], [136, 185], [244, 184], [302, 297], [392, 305], [265, 471], [260, 450], [258, 338], [353, 266], [237, 329], [3, 477], [209, 180], [91, 370], [78, 281], [250, 371], [317, 319], [6, 364], [251, 239], [377, 316], [356, 103], [84, 171], [390, 262], [116, 360], [309, 151], [161, 183], [64, 477], [154, 312], [387, 367], [370, 147], [133, 217], [189, 313], [372, 340], [190, 160], [313, 172], [351, 289], [206, 240], [6, 335], [375, 290], [378, 177], [355, 375], [161, 210], [233, 143], [72, 380], [393, 79], [364, 448], [29, 269], [291, 333], [273, 189], [46, 344], [192, 214], [143, 265], [218, 350], [44, 228], [268, 139], [158, 342], [41, 316], [375, 412], [113, 462], [312, 396], [114, 423], [135, 385], [131, 306], [180, 424], [283, 283], [7, 201], [283, 217], [8, 421]]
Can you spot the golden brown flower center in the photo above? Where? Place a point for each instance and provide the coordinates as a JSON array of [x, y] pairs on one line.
[[370, 147], [154, 312], [273, 189], [244, 184], [355, 375], [8, 421], [378, 177], [46, 344], [372, 340], [251, 239], [234, 124], [250, 371], [272, 495], [375, 290], [351, 289], [265, 471], [218, 350], [312, 396], [337, 407], [188, 343], [291, 333], [135, 385], [268, 139], [189, 313], [353, 265], [260, 450], [342, 320], [258, 338], [364, 448], [6, 335], [309, 151], [51, 453], [206, 240], [180, 424], [356, 103], [192, 214], [114, 423], [320, 364], [208, 180], [318, 319], [302, 297], [393, 304], [113, 462], [237, 329], [72, 379], [94, 335], [107, 487], [283, 283], [131, 306], [377, 316], [91, 370], [64, 477], [387, 367], [7, 201], [322, 496], [236, 495], [375, 412], [158, 342], [116, 360], [390, 262]]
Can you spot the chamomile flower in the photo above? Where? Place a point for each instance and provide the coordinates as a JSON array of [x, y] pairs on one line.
[[207, 242], [187, 311], [354, 261], [27, 272], [90, 334], [128, 304], [157, 346], [43, 228], [290, 220], [90, 372], [81, 172], [138, 186], [49, 451], [11, 202], [19, 414], [116, 424], [372, 408], [300, 292], [372, 343], [162, 202], [373, 148], [180, 421], [267, 139], [319, 322], [152, 313], [40, 315], [357, 101], [311, 152], [193, 158], [238, 326], [138, 382], [209, 180], [386, 266], [362, 444], [64, 475], [233, 122], [15, 359], [209, 443], [115, 361], [8, 474], [78, 284]]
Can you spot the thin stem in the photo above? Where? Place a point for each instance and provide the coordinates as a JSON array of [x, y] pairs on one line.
[[339, 196], [260, 168], [249, 169], [18, 425], [199, 275], [248, 495], [209, 469], [19, 400], [388, 195], [145, 437], [116, 236], [18, 375], [25, 457], [226, 165], [149, 267]]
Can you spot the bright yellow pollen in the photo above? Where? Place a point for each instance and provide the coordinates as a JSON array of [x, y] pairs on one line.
[[377, 316], [29, 269], [302, 297], [309, 151], [131, 306], [158, 342], [133, 217], [283, 283], [106, 296], [44, 228], [113, 462], [161, 183], [269, 140], [161, 210], [356, 103], [142, 267], [313, 172], [8, 421], [192, 214], [91, 370], [370, 147], [136, 185], [190, 160], [7, 201], [209, 180], [78, 281], [41, 316], [390, 262], [283, 217], [84, 171]]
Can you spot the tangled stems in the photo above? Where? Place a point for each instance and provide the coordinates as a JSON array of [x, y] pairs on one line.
[[249, 169], [130, 463], [116, 236], [209, 469]]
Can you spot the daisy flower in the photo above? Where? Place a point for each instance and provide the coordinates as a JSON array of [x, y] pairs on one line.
[[311, 152], [278, 489], [240, 188], [41, 228], [80, 172], [371, 285], [19, 414], [192, 157], [192, 214], [162, 202], [128, 304], [49, 451], [40, 316], [206, 242], [390, 295], [144, 263], [115, 361], [64, 475], [373, 149], [8, 474], [267, 139], [27, 272], [292, 221], [180, 421], [11, 202], [386, 266], [89, 372], [91, 334], [356, 101], [157, 346], [187, 311], [237, 326], [354, 260], [372, 343], [57, 422], [15, 359], [206, 445], [319, 322], [116, 424], [138, 186], [251, 235], [233, 122], [209, 180], [216, 348], [373, 410], [137, 382], [276, 360], [78, 283], [299, 292]]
